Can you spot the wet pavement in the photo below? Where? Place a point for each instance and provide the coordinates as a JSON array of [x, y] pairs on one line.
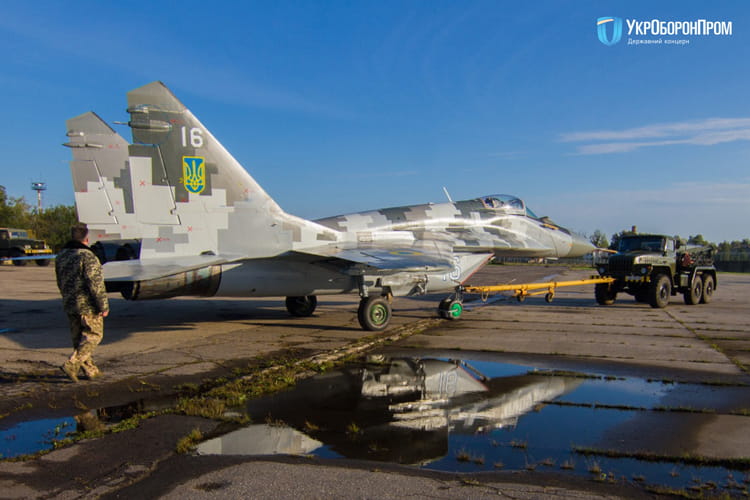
[[595, 397]]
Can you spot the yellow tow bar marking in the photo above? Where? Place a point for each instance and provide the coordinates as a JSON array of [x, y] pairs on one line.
[[526, 289]]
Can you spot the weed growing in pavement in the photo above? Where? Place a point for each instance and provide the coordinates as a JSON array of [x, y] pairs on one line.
[[187, 443]]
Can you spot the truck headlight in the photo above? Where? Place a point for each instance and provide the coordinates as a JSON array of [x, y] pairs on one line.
[[602, 269], [644, 270]]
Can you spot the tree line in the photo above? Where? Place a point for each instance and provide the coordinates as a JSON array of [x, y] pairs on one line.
[[51, 225]]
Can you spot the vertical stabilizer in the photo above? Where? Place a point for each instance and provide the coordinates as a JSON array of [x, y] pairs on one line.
[[101, 178], [194, 193]]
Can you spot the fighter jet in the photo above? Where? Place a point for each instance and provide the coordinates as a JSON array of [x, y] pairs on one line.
[[175, 214]]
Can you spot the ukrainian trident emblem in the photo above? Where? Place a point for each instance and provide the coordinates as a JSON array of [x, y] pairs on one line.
[[194, 173]]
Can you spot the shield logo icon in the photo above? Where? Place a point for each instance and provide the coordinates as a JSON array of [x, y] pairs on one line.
[[194, 173], [601, 29]]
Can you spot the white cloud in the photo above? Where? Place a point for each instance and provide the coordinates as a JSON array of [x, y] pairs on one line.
[[704, 133]]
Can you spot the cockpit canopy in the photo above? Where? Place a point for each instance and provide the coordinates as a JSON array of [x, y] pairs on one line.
[[507, 204]]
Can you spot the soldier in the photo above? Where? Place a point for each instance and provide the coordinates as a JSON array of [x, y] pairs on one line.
[[79, 278]]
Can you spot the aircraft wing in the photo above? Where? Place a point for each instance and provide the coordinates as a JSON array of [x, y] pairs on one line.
[[385, 258], [148, 269]]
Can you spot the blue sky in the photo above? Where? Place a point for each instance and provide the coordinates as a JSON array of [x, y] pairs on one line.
[[338, 107]]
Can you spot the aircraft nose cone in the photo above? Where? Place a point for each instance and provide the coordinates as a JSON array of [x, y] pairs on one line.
[[580, 246]]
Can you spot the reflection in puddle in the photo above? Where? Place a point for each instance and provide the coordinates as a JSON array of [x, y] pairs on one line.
[[30, 437], [260, 439], [461, 416]]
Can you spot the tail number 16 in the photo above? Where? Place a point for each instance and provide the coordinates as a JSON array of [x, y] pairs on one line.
[[194, 136]]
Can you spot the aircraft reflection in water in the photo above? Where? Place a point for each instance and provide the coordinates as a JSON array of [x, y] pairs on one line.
[[174, 214], [401, 410]]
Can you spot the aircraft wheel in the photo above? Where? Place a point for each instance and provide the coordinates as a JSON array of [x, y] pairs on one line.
[[18, 253], [451, 309], [520, 297], [374, 313], [708, 289], [693, 295], [301, 307], [42, 262], [549, 297], [661, 290]]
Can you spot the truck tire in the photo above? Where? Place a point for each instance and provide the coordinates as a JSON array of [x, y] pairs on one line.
[[604, 295], [709, 284], [18, 253], [694, 293], [660, 291]]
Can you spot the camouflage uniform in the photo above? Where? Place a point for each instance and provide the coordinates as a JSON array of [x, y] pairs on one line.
[[80, 280]]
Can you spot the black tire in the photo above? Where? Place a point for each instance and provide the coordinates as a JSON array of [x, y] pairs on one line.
[[693, 295], [660, 291], [709, 285], [374, 313], [17, 253], [42, 262], [641, 296], [604, 294], [301, 307]]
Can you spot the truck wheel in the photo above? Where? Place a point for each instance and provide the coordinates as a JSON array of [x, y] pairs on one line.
[[604, 295], [661, 290], [693, 294], [42, 262], [18, 253], [708, 289]]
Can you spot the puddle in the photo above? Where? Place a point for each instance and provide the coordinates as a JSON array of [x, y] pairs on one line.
[[33, 436], [470, 416]]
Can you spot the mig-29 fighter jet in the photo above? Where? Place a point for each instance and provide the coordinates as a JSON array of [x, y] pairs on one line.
[[175, 214]]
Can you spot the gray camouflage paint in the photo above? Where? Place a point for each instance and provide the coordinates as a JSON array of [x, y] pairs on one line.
[[140, 191]]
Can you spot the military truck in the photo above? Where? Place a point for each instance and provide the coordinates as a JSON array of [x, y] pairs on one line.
[[15, 243], [653, 267]]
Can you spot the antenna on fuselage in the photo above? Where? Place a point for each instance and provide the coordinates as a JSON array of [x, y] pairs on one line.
[[445, 190]]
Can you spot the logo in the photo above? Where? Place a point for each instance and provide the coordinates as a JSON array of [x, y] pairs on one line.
[[194, 173], [601, 29]]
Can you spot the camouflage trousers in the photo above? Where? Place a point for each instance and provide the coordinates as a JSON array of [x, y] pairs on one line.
[[86, 332]]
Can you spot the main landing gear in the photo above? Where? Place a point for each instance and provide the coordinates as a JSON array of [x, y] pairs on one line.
[[301, 307], [375, 312]]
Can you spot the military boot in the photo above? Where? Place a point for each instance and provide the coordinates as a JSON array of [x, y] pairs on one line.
[[71, 370], [91, 371]]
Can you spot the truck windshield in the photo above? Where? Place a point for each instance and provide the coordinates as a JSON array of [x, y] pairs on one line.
[[649, 243], [18, 233]]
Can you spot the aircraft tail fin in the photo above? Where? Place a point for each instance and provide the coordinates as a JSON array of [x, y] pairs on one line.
[[198, 196], [185, 154], [100, 176]]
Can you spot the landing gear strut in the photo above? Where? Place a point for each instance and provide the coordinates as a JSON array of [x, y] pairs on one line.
[[301, 307], [374, 312]]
